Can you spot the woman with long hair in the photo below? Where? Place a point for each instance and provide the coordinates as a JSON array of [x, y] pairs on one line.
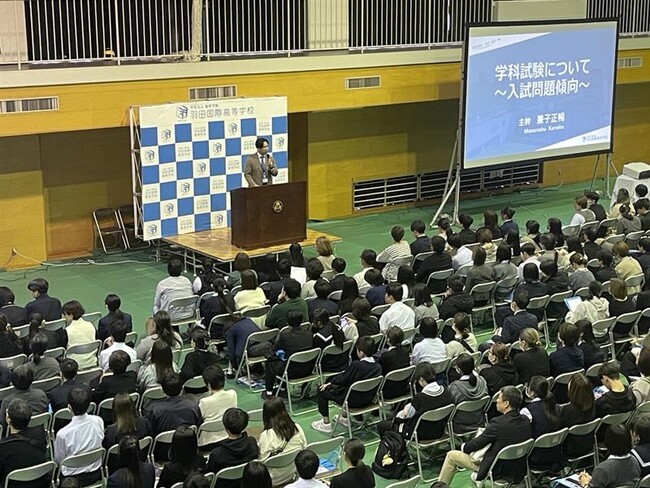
[[266, 268], [424, 306], [491, 222], [325, 251], [591, 349], [349, 294], [580, 410], [55, 338], [479, 273], [9, 342], [500, 372], [256, 475], [622, 198], [221, 302], [162, 362], [358, 475], [133, 473], [554, 226], [406, 278], [42, 366], [241, 263], [280, 434], [361, 317], [627, 222], [512, 239], [184, 458], [160, 327], [469, 386]]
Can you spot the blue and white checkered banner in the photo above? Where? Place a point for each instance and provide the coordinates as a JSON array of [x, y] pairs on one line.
[[193, 156]]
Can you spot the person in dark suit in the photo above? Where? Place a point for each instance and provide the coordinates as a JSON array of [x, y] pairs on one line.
[[467, 235], [594, 206], [590, 248], [24, 446], [338, 266], [438, 261], [421, 243], [113, 303], [518, 321], [505, 430], [457, 299], [641, 208], [200, 358], [376, 295], [533, 359], [58, 395], [508, 225], [174, 410], [501, 372], [290, 341], [336, 389], [358, 475], [260, 167], [16, 315], [132, 468], [569, 357], [643, 258], [322, 289], [49, 307], [606, 272], [395, 357], [120, 381]]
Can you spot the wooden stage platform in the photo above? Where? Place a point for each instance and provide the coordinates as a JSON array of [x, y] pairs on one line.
[[216, 244]]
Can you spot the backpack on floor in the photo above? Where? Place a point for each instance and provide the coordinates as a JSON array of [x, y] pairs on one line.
[[391, 459]]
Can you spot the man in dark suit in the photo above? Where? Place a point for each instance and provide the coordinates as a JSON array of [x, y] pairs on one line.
[[641, 207], [504, 430], [376, 295], [322, 289], [174, 410], [595, 207], [260, 167], [363, 369], [518, 321], [338, 266], [58, 395], [393, 358], [16, 315], [24, 447], [438, 261], [421, 243], [113, 303], [49, 307], [120, 381]]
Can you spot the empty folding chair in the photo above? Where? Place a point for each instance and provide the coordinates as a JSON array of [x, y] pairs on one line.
[[248, 360], [13, 361], [368, 388], [54, 325], [570, 230], [396, 388], [482, 293], [441, 414], [107, 224], [580, 444], [379, 310]]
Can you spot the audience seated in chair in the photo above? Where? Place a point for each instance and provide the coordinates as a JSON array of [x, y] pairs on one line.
[[396, 356], [22, 378], [242, 262], [461, 255], [358, 475], [236, 335], [48, 307], [173, 287], [422, 243], [641, 451], [200, 358], [337, 387], [121, 381], [505, 430], [462, 341], [594, 206], [116, 342], [468, 387], [127, 423], [364, 322], [627, 222], [134, 472], [532, 360], [16, 315], [322, 289], [184, 458], [528, 256], [568, 357], [456, 299], [79, 331], [507, 224], [583, 213], [162, 362], [368, 261], [431, 348], [478, 274], [205, 277], [500, 371], [350, 292], [398, 249], [617, 398], [58, 396], [580, 409], [214, 406], [423, 302], [327, 333], [518, 320], [620, 303], [438, 261], [24, 446], [288, 300], [169, 413], [314, 271], [83, 434], [376, 295], [221, 302], [605, 272], [307, 464], [398, 314], [627, 266], [42, 367], [113, 303], [237, 449], [593, 308], [10, 344], [160, 327], [250, 296], [591, 350], [338, 267]]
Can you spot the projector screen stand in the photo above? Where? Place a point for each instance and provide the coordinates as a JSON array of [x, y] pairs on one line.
[[609, 166], [452, 185]]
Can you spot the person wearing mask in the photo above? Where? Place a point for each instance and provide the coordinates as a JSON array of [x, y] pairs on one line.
[[358, 475], [133, 473], [238, 448], [432, 396], [533, 359], [83, 434], [184, 458], [48, 307], [336, 388], [470, 386], [504, 430], [620, 468], [500, 372], [464, 341], [295, 338], [112, 303], [593, 309], [280, 434], [569, 357]]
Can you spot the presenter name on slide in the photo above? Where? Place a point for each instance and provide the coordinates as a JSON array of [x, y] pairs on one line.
[[260, 167]]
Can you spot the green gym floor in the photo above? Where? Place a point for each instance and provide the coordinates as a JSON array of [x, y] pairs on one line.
[[134, 275]]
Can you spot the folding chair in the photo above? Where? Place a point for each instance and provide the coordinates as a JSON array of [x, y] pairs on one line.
[[89, 376], [463, 270], [547, 441], [612, 239], [398, 378], [379, 310], [164, 438], [62, 417], [641, 409], [644, 482], [56, 353], [418, 258], [54, 325], [602, 332], [439, 276], [436, 415], [284, 460], [13, 361], [326, 448], [32, 473], [232, 473], [570, 230], [538, 305], [607, 225], [21, 332], [409, 302], [511, 453], [247, 361], [632, 239], [149, 396], [303, 357], [128, 221], [92, 317], [256, 313], [90, 349], [333, 350], [589, 225], [379, 340], [582, 430], [107, 224], [504, 288], [335, 295], [107, 404], [561, 384], [110, 461], [211, 427], [556, 298], [371, 386], [480, 291], [363, 289], [47, 384], [83, 460], [196, 383], [184, 311], [409, 483], [630, 321], [135, 365], [613, 419], [635, 282], [467, 406], [397, 262]]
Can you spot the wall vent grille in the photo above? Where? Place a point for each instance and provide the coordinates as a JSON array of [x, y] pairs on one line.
[[210, 92], [20, 105], [363, 82]]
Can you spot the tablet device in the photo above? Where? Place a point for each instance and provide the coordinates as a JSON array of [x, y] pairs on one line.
[[572, 302]]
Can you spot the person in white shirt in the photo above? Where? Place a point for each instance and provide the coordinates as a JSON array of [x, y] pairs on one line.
[[79, 331], [83, 434], [527, 256], [462, 255], [368, 260], [213, 407], [172, 287], [431, 348], [116, 342], [307, 464], [314, 271], [398, 249], [398, 314], [583, 214]]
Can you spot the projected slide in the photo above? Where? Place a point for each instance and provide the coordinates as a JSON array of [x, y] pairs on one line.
[[535, 92]]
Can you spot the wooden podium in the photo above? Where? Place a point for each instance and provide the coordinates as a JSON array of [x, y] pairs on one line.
[[266, 215]]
